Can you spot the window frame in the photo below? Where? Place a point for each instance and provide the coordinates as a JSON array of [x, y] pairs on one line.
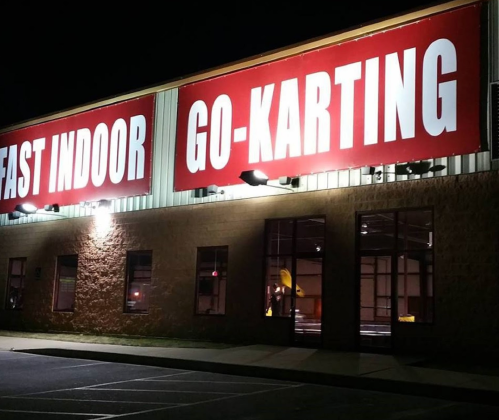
[[395, 251], [129, 255], [9, 282], [294, 254], [198, 269], [57, 284]]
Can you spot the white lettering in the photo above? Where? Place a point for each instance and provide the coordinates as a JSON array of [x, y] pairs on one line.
[[221, 128], [53, 163], [24, 180], [66, 161], [371, 102], [432, 90], [196, 142], [3, 155], [99, 154], [10, 180], [400, 95], [38, 147], [82, 158], [117, 153], [317, 126], [288, 121], [136, 156], [346, 77], [260, 140]]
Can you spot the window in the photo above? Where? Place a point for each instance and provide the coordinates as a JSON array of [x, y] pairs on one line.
[[399, 245], [15, 283], [294, 258], [211, 280], [65, 285], [299, 243], [138, 277]]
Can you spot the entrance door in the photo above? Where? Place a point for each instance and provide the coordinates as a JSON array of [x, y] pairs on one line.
[[395, 257], [293, 290], [376, 301], [307, 309]]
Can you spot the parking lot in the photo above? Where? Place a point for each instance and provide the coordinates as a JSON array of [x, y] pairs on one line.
[[44, 387], [49, 387]]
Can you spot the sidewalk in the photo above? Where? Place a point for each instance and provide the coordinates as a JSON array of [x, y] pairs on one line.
[[367, 371]]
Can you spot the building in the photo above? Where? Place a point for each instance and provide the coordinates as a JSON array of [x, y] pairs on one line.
[[375, 228]]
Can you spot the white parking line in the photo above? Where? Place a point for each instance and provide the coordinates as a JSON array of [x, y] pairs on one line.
[[80, 400], [160, 390], [154, 406], [92, 386], [196, 403], [58, 413], [88, 364], [213, 382], [138, 379]]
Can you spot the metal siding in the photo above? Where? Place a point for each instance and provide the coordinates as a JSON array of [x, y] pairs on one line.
[[344, 179], [469, 164], [311, 182], [169, 139], [355, 177], [322, 181], [483, 161], [442, 161], [157, 144], [333, 179], [455, 165]]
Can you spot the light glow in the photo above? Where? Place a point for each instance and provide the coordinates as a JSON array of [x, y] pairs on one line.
[[259, 174], [26, 208], [102, 221]]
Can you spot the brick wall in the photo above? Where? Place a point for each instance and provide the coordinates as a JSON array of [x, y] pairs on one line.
[[466, 213]]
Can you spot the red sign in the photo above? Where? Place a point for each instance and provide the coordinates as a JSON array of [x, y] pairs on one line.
[[401, 95], [99, 154]]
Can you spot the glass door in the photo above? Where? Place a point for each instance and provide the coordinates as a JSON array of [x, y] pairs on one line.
[[308, 301], [376, 301], [294, 266], [395, 257]]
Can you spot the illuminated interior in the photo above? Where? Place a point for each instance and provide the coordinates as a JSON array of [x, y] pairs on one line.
[[294, 266], [396, 272]]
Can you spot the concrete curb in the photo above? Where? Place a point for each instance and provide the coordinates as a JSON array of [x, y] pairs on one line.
[[452, 393]]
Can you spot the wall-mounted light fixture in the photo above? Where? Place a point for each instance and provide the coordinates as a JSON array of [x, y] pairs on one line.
[[52, 207], [413, 168], [26, 208], [286, 180], [102, 207], [96, 204], [207, 191], [22, 210], [16, 215], [88, 204], [256, 177], [104, 204]]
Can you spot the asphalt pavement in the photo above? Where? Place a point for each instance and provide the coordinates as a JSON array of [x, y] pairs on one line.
[[410, 375], [53, 388]]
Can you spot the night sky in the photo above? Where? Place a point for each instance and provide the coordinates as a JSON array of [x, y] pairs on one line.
[[55, 58]]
